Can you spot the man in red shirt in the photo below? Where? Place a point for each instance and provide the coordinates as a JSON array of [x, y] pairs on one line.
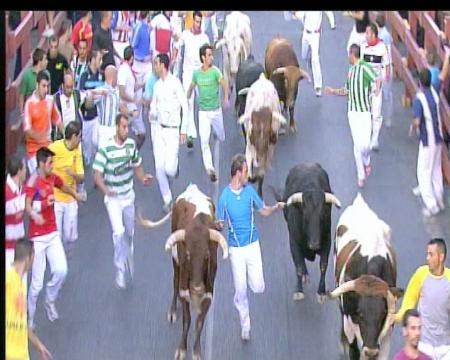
[[39, 204], [83, 30]]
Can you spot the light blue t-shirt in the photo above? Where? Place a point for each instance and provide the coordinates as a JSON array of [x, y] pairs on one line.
[[238, 211], [149, 85]]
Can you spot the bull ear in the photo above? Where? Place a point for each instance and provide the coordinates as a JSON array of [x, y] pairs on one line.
[[397, 292], [220, 43]]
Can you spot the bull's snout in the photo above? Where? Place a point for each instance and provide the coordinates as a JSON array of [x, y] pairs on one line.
[[370, 353]]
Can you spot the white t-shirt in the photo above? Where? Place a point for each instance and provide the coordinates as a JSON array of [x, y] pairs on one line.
[[192, 44], [68, 113], [125, 78], [376, 55]]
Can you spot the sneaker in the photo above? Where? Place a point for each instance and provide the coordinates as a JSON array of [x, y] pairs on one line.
[[245, 335], [367, 170], [212, 175], [48, 32], [360, 183], [190, 142], [50, 308], [416, 191], [318, 92], [429, 212], [120, 280], [375, 147]]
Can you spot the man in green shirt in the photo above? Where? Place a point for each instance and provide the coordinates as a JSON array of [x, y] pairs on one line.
[[358, 87], [207, 78]]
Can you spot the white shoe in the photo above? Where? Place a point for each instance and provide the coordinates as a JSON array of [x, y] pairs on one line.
[[429, 212], [416, 191], [120, 280], [245, 335], [50, 308], [318, 92], [48, 32]]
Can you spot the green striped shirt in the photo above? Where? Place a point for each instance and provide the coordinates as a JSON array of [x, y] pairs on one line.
[[116, 163], [359, 84]]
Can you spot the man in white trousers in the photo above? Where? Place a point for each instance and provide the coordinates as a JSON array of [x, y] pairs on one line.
[[42, 230], [207, 79], [374, 52], [168, 127], [113, 167], [192, 40], [237, 205], [211, 19], [358, 86], [429, 160]]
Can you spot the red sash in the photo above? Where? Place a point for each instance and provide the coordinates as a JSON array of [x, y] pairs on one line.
[[162, 44]]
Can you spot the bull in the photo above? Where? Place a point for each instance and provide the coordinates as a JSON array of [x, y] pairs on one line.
[[282, 68], [365, 272], [236, 44], [308, 198], [262, 120], [193, 242]]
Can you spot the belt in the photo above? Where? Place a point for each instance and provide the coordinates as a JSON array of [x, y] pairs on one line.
[[311, 32], [169, 127]]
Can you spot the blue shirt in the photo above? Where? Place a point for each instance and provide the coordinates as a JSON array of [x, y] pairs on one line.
[[149, 85], [238, 210], [141, 41], [384, 35], [435, 81], [418, 113]]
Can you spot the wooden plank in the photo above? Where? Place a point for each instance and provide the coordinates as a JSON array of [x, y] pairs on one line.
[[447, 26], [432, 35]]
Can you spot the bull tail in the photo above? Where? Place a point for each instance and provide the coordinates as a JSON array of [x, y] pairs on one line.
[[147, 223], [277, 193]]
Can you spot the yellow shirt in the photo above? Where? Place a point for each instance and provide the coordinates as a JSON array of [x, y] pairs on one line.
[[66, 159], [16, 317]]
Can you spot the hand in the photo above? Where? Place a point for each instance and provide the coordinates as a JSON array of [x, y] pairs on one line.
[[43, 352], [19, 215], [147, 179], [50, 200], [329, 90], [111, 193], [377, 91], [80, 197], [69, 172], [225, 103], [37, 218], [280, 205], [182, 138]]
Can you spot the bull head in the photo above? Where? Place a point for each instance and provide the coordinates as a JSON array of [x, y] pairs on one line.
[[236, 51], [329, 199]]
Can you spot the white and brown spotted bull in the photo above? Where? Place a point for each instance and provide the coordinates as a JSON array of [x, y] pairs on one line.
[[193, 242], [282, 68], [365, 271], [262, 120]]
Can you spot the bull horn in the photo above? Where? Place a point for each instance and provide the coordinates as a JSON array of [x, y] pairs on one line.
[[278, 116], [151, 224], [390, 299], [331, 198], [295, 198], [343, 288], [281, 70], [216, 236], [175, 237], [244, 91], [305, 75], [220, 43]]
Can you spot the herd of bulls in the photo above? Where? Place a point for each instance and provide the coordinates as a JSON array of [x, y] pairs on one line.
[[364, 260]]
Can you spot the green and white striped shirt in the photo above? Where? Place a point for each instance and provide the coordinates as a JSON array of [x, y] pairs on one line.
[[359, 84], [116, 163]]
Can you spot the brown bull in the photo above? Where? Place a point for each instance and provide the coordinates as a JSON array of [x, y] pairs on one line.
[[282, 68], [193, 243]]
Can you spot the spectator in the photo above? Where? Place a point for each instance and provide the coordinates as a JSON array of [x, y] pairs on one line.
[[411, 332], [149, 85], [103, 40], [130, 90], [90, 80], [36, 119], [14, 20], [57, 65], [83, 30], [17, 332], [429, 291], [162, 33], [28, 81], [358, 34], [428, 121], [210, 19], [141, 46], [79, 62], [65, 47]]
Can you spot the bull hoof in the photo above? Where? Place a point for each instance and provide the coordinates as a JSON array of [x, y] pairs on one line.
[[321, 298], [171, 316], [298, 296], [180, 354]]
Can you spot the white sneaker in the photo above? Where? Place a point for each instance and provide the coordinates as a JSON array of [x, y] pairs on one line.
[[318, 92], [429, 212], [416, 191], [50, 308], [120, 280], [245, 335]]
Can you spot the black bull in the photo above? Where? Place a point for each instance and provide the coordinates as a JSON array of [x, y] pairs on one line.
[[309, 198]]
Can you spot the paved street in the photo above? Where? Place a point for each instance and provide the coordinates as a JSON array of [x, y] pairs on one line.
[[99, 322]]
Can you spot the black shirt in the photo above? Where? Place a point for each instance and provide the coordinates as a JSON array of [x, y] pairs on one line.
[[89, 81], [362, 24], [103, 40], [56, 69]]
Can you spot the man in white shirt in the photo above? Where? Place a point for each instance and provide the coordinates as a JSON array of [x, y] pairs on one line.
[[167, 127], [192, 40], [130, 90], [161, 33]]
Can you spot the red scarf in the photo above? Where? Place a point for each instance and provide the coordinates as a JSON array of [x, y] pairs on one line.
[[374, 42]]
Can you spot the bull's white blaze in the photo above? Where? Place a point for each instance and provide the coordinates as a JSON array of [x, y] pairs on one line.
[[352, 330], [372, 234], [194, 196]]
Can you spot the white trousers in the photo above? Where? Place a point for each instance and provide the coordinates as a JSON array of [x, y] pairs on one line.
[[429, 174], [67, 220], [187, 80], [9, 259], [206, 120], [355, 38], [360, 127], [46, 248], [105, 133], [121, 215], [312, 40], [31, 164], [165, 151], [435, 352], [377, 117], [89, 139], [246, 261], [207, 20]]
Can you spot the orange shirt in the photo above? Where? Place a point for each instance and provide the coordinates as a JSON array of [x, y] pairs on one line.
[[37, 118]]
